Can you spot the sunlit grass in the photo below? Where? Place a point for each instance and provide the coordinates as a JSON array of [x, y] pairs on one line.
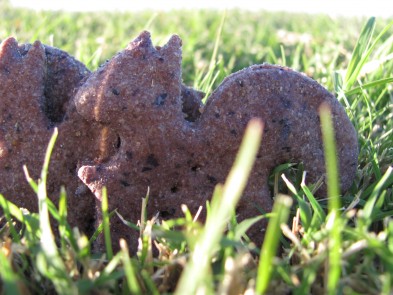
[[223, 204], [336, 245]]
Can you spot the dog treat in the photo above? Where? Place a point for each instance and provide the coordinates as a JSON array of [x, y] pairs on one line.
[[22, 76], [132, 125], [138, 94], [36, 87], [63, 74]]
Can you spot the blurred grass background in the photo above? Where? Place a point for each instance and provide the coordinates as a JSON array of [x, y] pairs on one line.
[[315, 44]]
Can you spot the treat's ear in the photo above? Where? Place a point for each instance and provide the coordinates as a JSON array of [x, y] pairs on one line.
[[169, 56], [10, 54], [143, 44], [140, 78], [23, 69], [35, 57], [174, 42], [172, 50], [9, 51], [140, 44]]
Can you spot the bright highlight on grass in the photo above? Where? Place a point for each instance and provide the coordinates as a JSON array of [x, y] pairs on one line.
[[279, 216], [223, 204], [49, 261], [333, 219]]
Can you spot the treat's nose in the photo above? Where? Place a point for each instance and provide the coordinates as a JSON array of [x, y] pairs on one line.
[[89, 175]]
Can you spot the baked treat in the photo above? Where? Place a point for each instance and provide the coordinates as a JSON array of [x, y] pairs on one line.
[[132, 125]]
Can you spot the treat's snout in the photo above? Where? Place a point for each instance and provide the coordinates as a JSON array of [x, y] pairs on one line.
[[90, 177]]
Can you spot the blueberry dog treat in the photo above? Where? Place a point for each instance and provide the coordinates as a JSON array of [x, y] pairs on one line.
[[138, 95], [132, 126], [37, 84]]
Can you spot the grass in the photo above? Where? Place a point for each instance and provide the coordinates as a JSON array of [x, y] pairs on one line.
[[333, 245], [333, 220]]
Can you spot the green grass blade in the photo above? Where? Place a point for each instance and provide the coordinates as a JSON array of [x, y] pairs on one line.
[[358, 53], [319, 212], [375, 194], [334, 204], [125, 222], [208, 80], [63, 217], [305, 212], [145, 201], [390, 236], [9, 280], [131, 275], [373, 84], [279, 216], [283, 58], [242, 227], [149, 283], [109, 273], [369, 190], [195, 274], [30, 180], [11, 210], [106, 224], [49, 260], [213, 59], [330, 158], [100, 228], [362, 52]]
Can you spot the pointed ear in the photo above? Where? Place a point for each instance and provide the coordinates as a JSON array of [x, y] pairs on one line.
[[174, 42], [9, 51], [35, 57], [172, 52], [140, 45], [173, 48]]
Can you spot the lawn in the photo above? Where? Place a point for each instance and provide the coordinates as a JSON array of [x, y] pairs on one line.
[[323, 246]]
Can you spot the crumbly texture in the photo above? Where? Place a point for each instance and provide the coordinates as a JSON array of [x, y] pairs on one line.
[[32, 78], [182, 161], [132, 126], [22, 76]]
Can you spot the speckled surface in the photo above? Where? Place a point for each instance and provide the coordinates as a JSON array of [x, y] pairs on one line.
[[132, 126], [33, 77]]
